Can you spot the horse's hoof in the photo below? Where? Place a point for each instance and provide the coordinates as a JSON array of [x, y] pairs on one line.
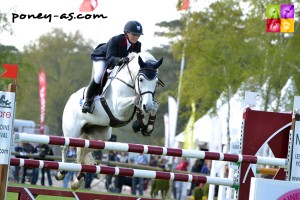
[[60, 175], [76, 183]]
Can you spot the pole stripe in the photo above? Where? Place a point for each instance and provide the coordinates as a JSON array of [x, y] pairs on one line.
[[156, 150], [119, 171]]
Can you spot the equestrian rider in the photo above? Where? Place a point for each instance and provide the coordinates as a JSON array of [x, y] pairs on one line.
[[111, 54]]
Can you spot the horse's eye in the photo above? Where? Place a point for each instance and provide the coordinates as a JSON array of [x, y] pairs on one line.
[[141, 79]]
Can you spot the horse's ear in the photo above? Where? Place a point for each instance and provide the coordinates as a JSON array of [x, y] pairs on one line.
[[158, 63], [141, 62]]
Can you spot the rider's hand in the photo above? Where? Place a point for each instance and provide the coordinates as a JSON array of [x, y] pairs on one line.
[[123, 60]]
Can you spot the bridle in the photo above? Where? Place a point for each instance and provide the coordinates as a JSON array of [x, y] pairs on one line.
[[149, 74], [142, 72]]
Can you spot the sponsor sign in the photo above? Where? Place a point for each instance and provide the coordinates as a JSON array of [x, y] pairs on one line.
[[7, 106]]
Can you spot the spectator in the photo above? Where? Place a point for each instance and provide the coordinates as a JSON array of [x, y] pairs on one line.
[[19, 149], [206, 167], [46, 151], [196, 168], [112, 156], [154, 160], [35, 171], [141, 160], [71, 153], [90, 176], [29, 149], [174, 166], [119, 180], [182, 166]]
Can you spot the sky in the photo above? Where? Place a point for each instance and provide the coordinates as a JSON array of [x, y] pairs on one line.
[[118, 12]]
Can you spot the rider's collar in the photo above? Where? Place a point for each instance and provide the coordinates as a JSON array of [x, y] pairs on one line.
[[128, 43]]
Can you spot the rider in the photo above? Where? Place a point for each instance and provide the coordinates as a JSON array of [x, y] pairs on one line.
[[110, 54]]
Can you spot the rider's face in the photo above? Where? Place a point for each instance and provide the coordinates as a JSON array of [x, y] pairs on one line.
[[133, 38]]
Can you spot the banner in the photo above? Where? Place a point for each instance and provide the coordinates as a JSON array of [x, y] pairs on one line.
[[189, 142], [172, 117], [42, 94], [167, 130]]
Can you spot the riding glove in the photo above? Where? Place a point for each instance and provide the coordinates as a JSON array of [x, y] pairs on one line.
[[123, 60]]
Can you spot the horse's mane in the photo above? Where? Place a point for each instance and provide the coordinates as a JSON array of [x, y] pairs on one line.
[[145, 55]]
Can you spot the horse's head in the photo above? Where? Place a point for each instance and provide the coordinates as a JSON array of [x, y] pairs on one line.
[[146, 82]]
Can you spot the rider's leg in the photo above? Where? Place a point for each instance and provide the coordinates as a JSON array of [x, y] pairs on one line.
[[99, 67]]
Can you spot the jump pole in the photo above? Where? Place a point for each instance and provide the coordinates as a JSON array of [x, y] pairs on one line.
[[121, 171], [147, 149]]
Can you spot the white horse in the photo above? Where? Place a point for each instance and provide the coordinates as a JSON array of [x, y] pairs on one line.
[[130, 89]]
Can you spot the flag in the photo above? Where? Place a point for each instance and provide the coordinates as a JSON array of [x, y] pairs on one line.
[[42, 94], [183, 4], [88, 5], [11, 71], [189, 142]]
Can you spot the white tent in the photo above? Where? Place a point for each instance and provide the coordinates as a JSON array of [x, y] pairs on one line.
[[209, 128]]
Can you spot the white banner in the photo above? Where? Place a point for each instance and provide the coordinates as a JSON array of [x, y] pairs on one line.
[[295, 165], [167, 130], [172, 110], [7, 106]]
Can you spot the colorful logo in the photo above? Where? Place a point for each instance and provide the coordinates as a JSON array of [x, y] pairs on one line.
[[280, 18], [4, 103]]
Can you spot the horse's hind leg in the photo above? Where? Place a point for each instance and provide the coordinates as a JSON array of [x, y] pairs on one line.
[[84, 156], [60, 175]]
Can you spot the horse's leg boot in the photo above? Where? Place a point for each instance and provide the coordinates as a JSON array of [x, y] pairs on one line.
[[89, 105]]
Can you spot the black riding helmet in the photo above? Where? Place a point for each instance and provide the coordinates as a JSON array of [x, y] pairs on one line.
[[133, 27]]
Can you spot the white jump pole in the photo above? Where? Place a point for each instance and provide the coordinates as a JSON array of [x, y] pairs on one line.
[[147, 149], [120, 171]]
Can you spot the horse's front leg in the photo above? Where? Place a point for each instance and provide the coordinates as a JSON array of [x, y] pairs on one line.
[[149, 121], [60, 175]]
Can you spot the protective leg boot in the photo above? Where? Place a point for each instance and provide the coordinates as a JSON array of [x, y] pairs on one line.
[[89, 105]]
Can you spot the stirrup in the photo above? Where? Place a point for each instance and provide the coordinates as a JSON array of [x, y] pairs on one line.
[[88, 106]]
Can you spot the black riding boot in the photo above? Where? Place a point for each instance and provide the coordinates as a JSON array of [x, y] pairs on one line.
[[88, 105]]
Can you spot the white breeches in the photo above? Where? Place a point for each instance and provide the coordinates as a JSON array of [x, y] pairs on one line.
[[99, 67]]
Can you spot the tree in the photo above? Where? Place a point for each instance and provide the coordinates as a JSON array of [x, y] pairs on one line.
[[8, 54], [227, 49], [277, 59], [65, 59], [215, 49]]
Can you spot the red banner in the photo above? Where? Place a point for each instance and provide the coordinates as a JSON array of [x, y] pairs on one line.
[[42, 94], [11, 71]]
